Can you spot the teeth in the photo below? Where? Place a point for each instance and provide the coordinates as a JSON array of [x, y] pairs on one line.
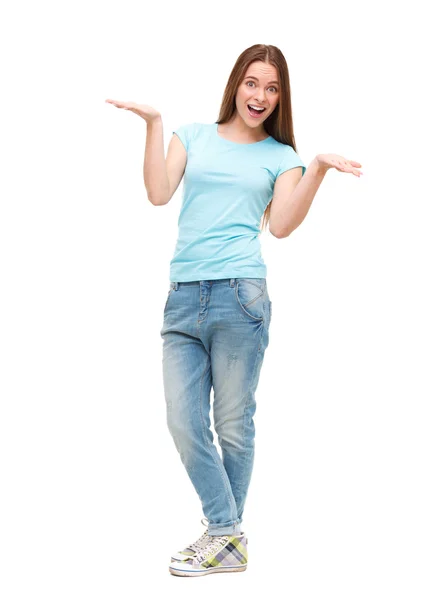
[[256, 107]]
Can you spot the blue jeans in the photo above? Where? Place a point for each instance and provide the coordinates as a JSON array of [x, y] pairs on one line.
[[215, 333]]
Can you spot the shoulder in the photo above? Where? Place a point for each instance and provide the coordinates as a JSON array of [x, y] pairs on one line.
[[188, 131], [281, 147], [287, 158], [191, 128]]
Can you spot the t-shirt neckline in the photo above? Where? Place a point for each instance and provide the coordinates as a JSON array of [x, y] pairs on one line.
[[215, 126]]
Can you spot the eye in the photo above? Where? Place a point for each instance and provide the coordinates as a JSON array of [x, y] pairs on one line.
[[271, 88]]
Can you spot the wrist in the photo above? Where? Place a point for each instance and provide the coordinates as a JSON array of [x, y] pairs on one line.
[[157, 120], [318, 167]]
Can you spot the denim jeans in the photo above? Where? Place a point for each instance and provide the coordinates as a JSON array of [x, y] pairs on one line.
[[215, 333]]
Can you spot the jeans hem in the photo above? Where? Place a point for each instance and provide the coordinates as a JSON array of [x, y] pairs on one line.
[[229, 528]]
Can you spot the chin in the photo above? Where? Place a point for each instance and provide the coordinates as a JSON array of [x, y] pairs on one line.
[[251, 122]]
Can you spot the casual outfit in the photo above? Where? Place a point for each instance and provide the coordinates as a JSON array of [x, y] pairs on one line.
[[227, 187], [216, 329]]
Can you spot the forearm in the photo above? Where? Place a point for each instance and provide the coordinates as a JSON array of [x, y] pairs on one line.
[[296, 208], [154, 170]]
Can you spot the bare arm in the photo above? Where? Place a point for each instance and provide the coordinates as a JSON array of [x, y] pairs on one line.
[[292, 197], [162, 176], [155, 172], [293, 194]]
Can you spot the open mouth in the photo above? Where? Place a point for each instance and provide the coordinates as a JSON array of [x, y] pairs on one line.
[[254, 112]]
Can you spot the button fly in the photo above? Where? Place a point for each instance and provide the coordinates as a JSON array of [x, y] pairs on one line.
[[205, 290]]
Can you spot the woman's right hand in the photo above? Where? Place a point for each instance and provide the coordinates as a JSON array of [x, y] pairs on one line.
[[146, 112]]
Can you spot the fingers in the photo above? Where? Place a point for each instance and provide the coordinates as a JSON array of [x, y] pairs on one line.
[[354, 172], [119, 103], [347, 166], [113, 102], [354, 163]]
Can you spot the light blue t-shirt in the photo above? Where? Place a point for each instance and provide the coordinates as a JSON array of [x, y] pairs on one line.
[[226, 189]]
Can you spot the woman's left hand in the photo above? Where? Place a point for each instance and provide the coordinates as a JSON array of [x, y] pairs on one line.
[[329, 161]]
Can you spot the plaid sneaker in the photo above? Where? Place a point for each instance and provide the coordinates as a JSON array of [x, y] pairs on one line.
[[193, 548], [223, 553]]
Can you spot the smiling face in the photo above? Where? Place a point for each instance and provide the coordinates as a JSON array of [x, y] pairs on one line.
[[259, 88]]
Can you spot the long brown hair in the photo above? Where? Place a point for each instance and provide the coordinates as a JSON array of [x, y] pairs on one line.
[[280, 123]]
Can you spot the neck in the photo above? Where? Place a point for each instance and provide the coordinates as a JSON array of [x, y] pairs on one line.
[[239, 131]]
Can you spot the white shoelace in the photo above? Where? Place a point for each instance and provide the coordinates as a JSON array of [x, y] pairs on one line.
[[203, 540], [214, 544], [201, 543]]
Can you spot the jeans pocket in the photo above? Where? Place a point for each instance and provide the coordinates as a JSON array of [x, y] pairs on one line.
[[251, 298], [168, 297]]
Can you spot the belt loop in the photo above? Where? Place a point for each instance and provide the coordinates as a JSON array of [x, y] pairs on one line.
[[232, 282], [175, 285]]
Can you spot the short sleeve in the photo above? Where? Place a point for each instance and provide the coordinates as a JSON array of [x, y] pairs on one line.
[[290, 160], [185, 132]]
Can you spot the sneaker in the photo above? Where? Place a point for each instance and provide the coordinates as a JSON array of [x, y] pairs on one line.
[[223, 553], [193, 548]]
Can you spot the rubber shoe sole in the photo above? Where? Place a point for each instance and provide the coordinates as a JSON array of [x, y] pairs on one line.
[[174, 570]]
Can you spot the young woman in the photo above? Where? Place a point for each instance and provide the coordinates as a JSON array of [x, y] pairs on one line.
[[217, 314]]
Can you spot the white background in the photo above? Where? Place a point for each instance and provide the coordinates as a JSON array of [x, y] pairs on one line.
[[94, 496]]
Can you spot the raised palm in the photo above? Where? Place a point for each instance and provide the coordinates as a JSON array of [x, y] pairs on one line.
[[146, 112]]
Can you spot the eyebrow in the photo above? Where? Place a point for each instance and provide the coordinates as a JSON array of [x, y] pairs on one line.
[[256, 78]]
